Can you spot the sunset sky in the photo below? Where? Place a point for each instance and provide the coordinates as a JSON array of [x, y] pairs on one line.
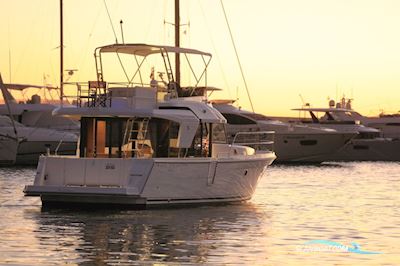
[[316, 48]]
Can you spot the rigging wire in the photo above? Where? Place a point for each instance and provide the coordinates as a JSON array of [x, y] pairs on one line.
[[82, 62], [215, 49], [237, 56], [109, 17]]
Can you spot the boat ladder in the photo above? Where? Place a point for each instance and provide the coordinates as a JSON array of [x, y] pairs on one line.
[[172, 86], [135, 136]]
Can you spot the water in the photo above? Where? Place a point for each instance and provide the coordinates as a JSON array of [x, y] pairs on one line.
[[346, 202]]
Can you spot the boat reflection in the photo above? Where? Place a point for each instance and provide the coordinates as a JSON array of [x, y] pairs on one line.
[[192, 235]]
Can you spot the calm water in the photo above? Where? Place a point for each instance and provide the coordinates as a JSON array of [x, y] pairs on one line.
[[346, 202]]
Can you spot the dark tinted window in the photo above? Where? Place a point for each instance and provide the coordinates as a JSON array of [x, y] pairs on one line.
[[308, 142], [238, 120]]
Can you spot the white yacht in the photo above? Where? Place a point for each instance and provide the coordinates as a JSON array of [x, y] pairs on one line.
[[33, 111], [389, 125], [149, 144], [36, 141], [367, 146], [292, 143]]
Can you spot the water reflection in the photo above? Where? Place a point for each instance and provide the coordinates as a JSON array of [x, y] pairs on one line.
[[347, 202], [192, 235]]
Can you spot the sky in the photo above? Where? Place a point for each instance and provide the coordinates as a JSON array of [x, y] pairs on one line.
[[292, 52]]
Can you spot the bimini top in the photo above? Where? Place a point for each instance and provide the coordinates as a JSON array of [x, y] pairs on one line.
[[142, 49]]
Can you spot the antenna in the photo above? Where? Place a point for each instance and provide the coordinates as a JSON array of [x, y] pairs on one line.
[[70, 73], [336, 98], [122, 31], [237, 96], [304, 104], [177, 26]]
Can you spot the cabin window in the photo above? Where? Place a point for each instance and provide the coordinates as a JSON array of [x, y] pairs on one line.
[[360, 147], [200, 144], [308, 142], [114, 138], [368, 135], [234, 119], [144, 138], [218, 133], [101, 137], [173, 133]]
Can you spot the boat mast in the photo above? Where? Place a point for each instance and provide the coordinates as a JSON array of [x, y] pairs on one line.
[[177, 55], [61, 54]]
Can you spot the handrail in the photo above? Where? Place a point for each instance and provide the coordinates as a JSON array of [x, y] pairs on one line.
[[91, 96], [252, 142]]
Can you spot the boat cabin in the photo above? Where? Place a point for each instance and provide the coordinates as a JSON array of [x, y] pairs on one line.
[[148, 137]]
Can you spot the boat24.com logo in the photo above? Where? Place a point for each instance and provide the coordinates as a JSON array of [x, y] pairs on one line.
[[331, 246]]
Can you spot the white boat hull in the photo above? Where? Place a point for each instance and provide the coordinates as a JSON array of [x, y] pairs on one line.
[[368, 150], [147, 182], [308, 148], [8, 150], [302, 145], [30, 151]]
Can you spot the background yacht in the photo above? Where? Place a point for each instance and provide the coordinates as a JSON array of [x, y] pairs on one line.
[[292, 143], [34, 111], [367, 146], [389, 125], [36, 141]]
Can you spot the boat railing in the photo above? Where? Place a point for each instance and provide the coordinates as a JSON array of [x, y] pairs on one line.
[[258, 140], [99, 93]]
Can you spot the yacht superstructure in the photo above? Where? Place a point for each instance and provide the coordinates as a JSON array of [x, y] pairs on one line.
[[389, 125]]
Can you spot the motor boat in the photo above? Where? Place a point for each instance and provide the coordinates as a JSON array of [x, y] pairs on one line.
[[389, 125], [367, 146], [33, 111], [292, 143], [32, 142], [144, 145]]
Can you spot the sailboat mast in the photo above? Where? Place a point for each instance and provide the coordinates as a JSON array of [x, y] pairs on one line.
[[61, 53], [177, 44]]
